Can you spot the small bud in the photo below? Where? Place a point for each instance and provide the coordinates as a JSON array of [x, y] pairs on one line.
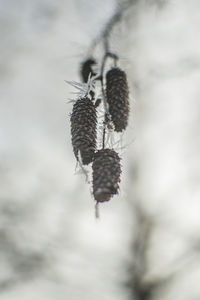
[[97, 102], [86, 69]]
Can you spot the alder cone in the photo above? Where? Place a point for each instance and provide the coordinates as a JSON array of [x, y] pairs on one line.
[[106, 174], [83, 129], [117, 98], [86, 69]]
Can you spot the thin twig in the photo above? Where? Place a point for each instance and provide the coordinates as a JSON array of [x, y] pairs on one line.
[[97, 215], [107, 53], [106, 112], [104, 35]]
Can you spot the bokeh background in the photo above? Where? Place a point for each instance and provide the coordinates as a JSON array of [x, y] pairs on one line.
[[146, 243]]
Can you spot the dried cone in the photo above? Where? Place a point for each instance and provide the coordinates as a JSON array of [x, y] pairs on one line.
[[117, 98], [83, 129], [106, 174], [86, 69]]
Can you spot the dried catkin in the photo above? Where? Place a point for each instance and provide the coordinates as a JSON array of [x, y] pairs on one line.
[[117, 98], [86, 69], [106, 174], [83, 129]]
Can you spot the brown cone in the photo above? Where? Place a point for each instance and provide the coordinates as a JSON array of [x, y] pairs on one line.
[[117, 98], [106, 174], [83, 129]]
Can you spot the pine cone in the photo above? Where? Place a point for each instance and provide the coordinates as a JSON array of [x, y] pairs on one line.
[[86, 69], [117, 98], [83, 129], [106, 174]]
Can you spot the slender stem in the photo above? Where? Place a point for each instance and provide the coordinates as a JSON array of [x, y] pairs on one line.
[[104, 98], [97, 215], [106, 112], [104, 36]]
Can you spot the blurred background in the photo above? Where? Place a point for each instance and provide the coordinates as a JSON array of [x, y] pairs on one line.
[[146, 244]]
